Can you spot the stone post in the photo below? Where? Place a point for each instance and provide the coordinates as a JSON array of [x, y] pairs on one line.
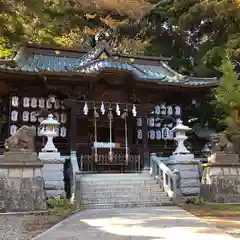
[[153, 169]]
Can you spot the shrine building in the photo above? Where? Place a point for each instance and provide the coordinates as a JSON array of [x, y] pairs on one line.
[[113, 109]]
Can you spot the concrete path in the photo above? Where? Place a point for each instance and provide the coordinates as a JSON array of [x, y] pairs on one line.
[[163, 223]]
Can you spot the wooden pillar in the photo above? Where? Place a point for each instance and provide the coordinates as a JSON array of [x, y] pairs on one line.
[[72, 138], [145, 150], [73, 128], [145, 154]]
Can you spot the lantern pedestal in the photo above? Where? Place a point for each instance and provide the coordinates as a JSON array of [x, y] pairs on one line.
[[53, 177], [52, 156], [183, 161], [188, 169], [49, 147], [181, 149], [53, 173], [182, 158]]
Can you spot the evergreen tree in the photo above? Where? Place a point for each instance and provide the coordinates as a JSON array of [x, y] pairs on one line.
[[227, 99]]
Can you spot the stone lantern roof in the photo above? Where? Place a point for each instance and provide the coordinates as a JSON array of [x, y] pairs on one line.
[[180, 127], [49, 121]]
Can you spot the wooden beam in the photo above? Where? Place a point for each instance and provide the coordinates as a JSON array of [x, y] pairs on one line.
[[10, 63]]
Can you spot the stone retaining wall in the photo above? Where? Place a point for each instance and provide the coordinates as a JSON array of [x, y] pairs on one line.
[[221, 183], [21, 182], [23, 194]]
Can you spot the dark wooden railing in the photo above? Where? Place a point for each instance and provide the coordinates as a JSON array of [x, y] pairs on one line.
[[99, 160], [118, 163], [162, 149], [2, 147]]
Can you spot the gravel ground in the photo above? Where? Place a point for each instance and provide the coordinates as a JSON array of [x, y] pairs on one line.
[[12, 227], [25, 227]]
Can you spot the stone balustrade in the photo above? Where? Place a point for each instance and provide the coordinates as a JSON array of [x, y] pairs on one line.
[[167, 178]]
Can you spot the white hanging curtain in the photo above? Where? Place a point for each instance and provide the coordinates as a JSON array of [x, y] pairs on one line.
[[110, 133], [126, 137], [124, 117], [96, 115]]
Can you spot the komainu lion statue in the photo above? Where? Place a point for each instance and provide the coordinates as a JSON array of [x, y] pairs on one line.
[[22, 140], [224, 145]]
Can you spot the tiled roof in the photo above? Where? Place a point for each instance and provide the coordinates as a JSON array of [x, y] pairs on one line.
[[159, 71]]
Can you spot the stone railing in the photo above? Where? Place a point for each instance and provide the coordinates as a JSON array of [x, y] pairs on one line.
[[167, 178]]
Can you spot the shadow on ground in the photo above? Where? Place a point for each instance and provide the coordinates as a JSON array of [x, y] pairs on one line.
[[166, 223]]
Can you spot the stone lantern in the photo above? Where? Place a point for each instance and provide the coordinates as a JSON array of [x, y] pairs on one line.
[[206, 151], [49, 128], [52, 161], [180, 136], [184, 162]]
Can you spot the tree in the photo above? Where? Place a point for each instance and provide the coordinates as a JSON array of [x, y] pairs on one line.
[[227, 99], [194, 33], [210, 27], [70, 23]]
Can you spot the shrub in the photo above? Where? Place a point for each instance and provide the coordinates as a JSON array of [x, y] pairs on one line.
[[61, 205], [194, 200]]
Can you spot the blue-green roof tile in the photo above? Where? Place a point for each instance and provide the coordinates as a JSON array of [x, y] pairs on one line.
[[90, 64]]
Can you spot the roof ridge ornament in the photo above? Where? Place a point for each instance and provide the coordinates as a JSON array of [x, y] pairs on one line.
[[103, 41], [105, 36]]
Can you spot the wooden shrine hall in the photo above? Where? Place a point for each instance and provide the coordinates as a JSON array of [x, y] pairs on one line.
[[113, 109]]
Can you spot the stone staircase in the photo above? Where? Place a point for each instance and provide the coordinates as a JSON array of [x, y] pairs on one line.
[[121, 190]]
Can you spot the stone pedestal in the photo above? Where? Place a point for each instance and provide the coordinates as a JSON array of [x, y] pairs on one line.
[[188, 169], [21, 182], [221, 182], [51, 156], [221, 157], [53, 176]]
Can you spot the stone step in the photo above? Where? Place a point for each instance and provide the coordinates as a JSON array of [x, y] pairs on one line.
[[126, 185], [118, 181], [123, 191], [127, 205], [116, 178], [126, 199], [119, 194], [56, 192], [120, 187], [116, 175]]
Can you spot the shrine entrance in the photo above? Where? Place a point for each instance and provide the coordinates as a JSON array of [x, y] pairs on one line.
[[106, 141]]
